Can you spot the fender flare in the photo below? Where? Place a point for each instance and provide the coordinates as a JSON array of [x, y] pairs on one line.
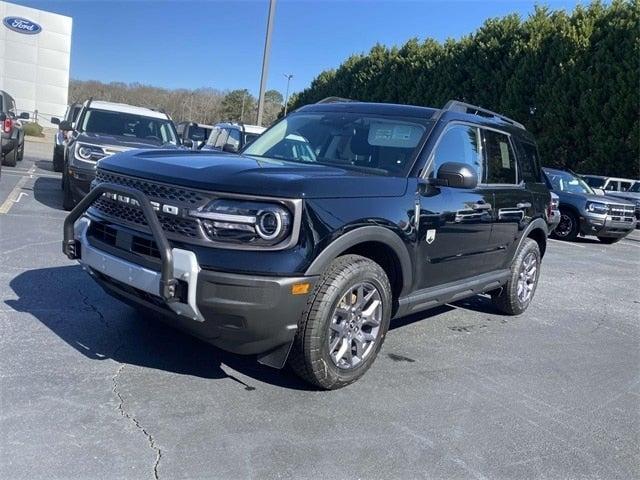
[[539, 224], [361, 235]]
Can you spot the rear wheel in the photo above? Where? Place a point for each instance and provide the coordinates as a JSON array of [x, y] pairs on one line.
[[21, 152], [67, 197], [516, 295], [609, 240], [344, 324], [58, 160], [568, 227], [11, 158]]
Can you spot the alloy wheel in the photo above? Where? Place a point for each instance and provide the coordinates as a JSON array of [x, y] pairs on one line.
[[355, 326], [527, 277], [565, 226]]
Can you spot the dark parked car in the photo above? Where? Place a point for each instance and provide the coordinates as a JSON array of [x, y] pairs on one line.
[[60, 139], [105, 128], [583, 212], [193, 134], [11, 132], [232, 137], [308, 253]]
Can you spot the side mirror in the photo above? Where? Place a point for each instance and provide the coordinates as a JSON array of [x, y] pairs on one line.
[[65, 125], [55, 120], [229, 148], [457, 175], [24, 116]]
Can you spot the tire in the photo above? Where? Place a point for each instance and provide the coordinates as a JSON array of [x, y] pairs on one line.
[[58, 160], [609, 240], [569, 226], [11, 158], [67, 197], [508, 299], [21, 153], [312, 357]]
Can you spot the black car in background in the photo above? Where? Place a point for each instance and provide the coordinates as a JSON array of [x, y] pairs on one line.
[[192, 134], [105, 128], [60, 139], [11, 132], [338, 218]]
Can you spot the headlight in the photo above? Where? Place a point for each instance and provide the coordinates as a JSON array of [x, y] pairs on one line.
[[91, 153], [597, 207], [245, 222]]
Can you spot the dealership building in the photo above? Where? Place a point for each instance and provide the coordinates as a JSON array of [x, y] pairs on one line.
[[35, 54]]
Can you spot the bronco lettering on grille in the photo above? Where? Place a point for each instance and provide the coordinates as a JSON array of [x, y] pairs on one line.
[[157, 206]]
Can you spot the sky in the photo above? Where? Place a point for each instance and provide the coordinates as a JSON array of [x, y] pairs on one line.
[[219, 44]]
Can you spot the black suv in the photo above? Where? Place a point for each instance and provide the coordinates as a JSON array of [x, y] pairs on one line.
[[337, 219], [11, 132]]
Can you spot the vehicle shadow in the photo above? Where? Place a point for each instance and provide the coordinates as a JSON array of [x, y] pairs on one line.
[[99, 327], [46, 165], [47, 191]]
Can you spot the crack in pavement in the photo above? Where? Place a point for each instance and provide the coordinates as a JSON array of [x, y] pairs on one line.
[[116, 390], [134, 420]]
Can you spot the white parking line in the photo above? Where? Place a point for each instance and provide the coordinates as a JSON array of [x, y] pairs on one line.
[[630, 244], [15, 193], [566, 244]]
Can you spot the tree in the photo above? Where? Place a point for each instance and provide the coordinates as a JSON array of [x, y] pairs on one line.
[[238, 106]]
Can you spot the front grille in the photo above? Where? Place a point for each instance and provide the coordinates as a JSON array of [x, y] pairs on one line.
[[621, 210], [177, 227], [153, 190]]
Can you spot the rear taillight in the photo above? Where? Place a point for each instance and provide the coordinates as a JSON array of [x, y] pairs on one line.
[[7, 125]]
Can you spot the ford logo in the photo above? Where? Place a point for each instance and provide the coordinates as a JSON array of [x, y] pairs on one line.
[[22, 25]]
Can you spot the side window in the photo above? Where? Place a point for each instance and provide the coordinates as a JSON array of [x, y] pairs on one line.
[[222, 138], [459, 143], [234, 138], [611, 185], [500, 162], [529, 163], [624, 186], [213, 136]]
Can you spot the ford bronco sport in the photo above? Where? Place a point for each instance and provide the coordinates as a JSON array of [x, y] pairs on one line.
[[340, 217]]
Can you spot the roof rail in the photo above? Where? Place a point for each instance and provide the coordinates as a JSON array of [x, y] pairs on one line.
[[457, 106], [335, 100]]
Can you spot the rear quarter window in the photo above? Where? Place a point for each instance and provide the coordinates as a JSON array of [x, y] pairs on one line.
[[529, 163]]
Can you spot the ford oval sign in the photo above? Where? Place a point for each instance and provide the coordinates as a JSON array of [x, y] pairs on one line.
[[22, 25]]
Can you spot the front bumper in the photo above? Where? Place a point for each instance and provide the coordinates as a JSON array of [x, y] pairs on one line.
[[80, 182], [607, 225], [246, 314]]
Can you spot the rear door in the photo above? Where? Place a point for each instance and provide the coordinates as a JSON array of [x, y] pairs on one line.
[[513, 202], [455, 224]]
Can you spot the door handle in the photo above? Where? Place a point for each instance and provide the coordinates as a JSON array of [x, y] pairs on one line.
[[524, 205], [481, 206]]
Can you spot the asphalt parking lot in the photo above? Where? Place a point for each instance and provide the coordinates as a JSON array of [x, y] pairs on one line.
[[92, 390]]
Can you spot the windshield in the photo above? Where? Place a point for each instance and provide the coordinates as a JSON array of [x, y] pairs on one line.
[[156, 130], [198, 133], [364, 142], [567, 182], [594, 182]]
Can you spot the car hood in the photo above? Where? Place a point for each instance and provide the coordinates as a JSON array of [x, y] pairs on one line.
[[120, 142], [585, 197], [629, 196], [225, 172]]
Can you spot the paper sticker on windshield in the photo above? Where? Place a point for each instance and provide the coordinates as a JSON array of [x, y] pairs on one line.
[[504, 153], [387, 134]]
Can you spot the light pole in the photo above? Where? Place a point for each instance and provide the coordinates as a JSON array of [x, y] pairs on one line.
[[288, 76], [265, 60]]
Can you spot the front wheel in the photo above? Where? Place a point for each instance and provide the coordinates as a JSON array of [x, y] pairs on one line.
[[609, 240], [344, 324], [67, 196], [516, 295], [568, 227]]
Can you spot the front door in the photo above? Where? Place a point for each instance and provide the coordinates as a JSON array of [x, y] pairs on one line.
[[455, 224]]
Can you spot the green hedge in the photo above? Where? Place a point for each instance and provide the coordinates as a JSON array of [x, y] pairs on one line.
[[33, 129], [572, 78]]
